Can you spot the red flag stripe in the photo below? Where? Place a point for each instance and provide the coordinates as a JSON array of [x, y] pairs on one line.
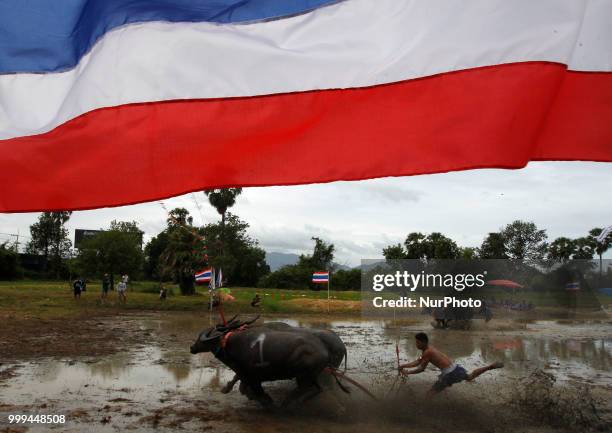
[[499, 116]]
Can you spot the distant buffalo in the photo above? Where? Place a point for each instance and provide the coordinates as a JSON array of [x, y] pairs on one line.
[[273, 351], [460, 318]]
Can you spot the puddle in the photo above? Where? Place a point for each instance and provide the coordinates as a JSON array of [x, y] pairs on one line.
[[132, 390]]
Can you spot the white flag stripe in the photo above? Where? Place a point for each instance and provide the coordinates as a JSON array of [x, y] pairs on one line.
[[355, 43]]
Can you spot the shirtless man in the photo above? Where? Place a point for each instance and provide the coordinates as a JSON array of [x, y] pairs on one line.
[[451, 373]]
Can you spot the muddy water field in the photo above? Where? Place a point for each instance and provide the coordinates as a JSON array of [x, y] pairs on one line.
[[135, 373]]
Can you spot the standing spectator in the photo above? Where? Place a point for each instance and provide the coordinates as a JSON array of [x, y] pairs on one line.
[[163, 293], [77, 288], [125, 279], [106, 283], [121, 288]]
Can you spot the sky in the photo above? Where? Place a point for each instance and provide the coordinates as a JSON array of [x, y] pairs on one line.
[[361, 218]]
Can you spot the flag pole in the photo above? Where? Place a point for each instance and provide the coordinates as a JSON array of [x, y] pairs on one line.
[[328, 284], [211, 289]]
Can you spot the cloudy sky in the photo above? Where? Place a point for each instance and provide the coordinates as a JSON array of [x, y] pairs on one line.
[[360, 218]]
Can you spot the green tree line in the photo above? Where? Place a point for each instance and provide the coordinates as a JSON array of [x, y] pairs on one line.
[[183, 248]]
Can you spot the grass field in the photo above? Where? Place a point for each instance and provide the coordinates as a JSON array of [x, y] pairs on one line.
[[53, 299]]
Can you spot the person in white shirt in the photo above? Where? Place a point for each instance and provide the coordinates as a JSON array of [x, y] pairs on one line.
[[121, 289]]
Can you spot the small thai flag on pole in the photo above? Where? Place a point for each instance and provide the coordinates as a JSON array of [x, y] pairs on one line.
[[320, 277], [203, 276]]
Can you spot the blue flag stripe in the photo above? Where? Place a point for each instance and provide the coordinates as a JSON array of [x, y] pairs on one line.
[[42, 36]]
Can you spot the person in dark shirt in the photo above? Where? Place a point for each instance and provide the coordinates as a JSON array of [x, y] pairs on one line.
[[77, 288], [106, 283]]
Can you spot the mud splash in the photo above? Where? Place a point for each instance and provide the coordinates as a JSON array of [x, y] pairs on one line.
[[572, 407]]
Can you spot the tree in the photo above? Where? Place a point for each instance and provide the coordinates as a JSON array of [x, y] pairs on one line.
[[418, 246], [562, 249], [242, 260], [8, 262], [441, 247], [322, 256], [299, 276], [584, 248], [152, 253], [524, 241], [49, 238], [115, 251], [493, 247], [600, 247], [178, 218], [185, 252], [222, 199], [287, 277], [349, 279], [394, 252], [468, 253], [432, 246], [321, 259]]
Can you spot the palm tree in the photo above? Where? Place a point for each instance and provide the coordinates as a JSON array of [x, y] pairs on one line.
[[600, 247], [222, 199]]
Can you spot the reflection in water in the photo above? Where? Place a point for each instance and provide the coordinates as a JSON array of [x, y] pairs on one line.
[[113, 366], [595, 353], [165, 362]]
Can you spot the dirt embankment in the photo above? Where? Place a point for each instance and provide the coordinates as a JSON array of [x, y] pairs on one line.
[[322, 305]]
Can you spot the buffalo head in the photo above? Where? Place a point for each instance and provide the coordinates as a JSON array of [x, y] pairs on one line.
[[207, 341], [210, 338]]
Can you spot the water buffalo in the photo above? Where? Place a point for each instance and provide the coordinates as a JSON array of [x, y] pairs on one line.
[[333, 343], [460, 318], [273, 351]]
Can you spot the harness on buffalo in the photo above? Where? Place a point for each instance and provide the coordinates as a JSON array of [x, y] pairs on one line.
[[228, 334]]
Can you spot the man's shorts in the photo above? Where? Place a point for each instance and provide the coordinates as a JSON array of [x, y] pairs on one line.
[[458, 374]]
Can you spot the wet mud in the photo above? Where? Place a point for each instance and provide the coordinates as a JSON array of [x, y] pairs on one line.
[[557, 378]]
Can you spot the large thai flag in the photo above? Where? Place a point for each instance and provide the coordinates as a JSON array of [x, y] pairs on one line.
[[113, 102]]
